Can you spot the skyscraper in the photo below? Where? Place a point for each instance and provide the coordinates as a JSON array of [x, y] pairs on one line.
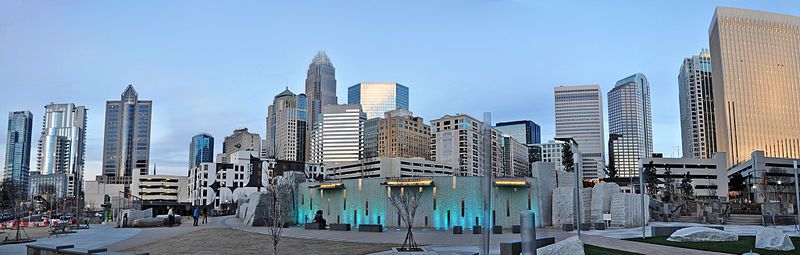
[[401, 134], [320, 85], [697, 106], [126, 147], [754, 58], [376, 98], [201, 150], [62, 144], [18, 150], [630, 123], [459, 140], [286, 127], [338, 137], [579, 114]]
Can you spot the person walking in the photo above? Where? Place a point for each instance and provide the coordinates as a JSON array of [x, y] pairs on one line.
[[171, 217], [196, 216], [205, 215]]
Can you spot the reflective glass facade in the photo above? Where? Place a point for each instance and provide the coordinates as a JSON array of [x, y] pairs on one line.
[[755, 57], [377, 98], [698, 136], [127, 135], [18, 149], [201, 150], [630, 124], [62, 144]]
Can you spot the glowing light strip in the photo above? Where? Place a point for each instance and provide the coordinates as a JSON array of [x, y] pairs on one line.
[[510, 183], [329, 185], [410, 183]]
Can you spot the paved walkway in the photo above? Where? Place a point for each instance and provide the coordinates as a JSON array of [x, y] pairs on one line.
[[97, 236]]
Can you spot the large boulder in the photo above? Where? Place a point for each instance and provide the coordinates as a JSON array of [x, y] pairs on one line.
[[571, 246], [702, 234], [601, 199], [149, 222], [544, 174], [773, 239], [563, 205]]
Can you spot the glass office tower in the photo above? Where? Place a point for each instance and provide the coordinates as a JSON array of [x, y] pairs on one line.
[[696, 100], [755, 58], [18, 149], [127, 135], [630, 124], [201, 150], [377, 98], [62, 145]]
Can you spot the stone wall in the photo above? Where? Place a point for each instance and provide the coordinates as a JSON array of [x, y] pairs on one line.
[[563, 205], [132, 215], [601, 200], [544, 174]]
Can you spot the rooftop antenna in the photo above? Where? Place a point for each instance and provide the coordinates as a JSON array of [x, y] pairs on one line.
[[155, 165]]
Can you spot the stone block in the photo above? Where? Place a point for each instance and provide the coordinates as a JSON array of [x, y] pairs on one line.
[[668, 230], [626, 210], [497, 230], [457, 230], [773, 239], [702, 234], [313, 226], [544, 175], [515, 229], [542, 242], [567, 227], [370, 228], [340, 227], [150, 222], [572, 246], [599, 226], [601, 199], [476, 230], [510, 248]]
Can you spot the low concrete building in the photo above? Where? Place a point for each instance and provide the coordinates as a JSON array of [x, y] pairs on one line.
[[55, 185], [388, 167], [446, 201], [708, 176], [160, 189], [95, 191], [768, 179]]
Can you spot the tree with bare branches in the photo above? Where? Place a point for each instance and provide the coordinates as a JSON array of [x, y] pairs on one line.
[[12, 196], [405, 201], [280, 189]]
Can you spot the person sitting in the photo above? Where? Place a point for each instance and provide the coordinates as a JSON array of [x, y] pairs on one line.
[[319, 220]]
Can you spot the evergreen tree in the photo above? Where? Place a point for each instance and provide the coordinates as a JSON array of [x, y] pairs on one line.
[[686, 186], [567, 158]]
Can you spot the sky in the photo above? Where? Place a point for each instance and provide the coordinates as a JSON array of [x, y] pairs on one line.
[[214, 66]]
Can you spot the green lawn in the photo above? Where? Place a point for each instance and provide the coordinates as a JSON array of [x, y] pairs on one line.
[[745, 244], [596, 250]]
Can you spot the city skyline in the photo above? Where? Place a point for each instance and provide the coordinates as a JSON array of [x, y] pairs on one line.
[[263, 78]]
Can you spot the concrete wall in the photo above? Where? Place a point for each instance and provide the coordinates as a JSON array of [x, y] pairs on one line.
[[94, 193]]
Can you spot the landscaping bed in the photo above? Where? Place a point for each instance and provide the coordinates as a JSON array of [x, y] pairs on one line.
[[745, 244]]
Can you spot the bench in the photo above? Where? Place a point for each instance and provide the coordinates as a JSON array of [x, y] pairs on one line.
[[497, 230], [58, 229], [668, 230], [567, 227], [476, 230], [370, 228], [599, 226], [340, 227], [314, 226], [82, 251], [46, 248], [515, 247], [584, 226], [515, 229]]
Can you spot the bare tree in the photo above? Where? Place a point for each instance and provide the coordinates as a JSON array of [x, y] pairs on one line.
[[405, 201], [12, 195], [279, 206]]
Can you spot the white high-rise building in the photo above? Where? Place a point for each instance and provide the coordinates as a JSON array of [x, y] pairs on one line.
[[61, 148], [338, 137], [286, 127], [630, 125], [579, 114], [459, 141], [697, 107]]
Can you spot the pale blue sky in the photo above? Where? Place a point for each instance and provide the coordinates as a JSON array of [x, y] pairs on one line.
[[213, 66]]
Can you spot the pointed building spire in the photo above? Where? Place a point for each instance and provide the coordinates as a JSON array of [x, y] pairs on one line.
[[321, 58], [130, 92]]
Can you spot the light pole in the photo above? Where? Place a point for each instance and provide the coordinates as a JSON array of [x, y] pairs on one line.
[[796, 197], [641, 192], [573, 145]]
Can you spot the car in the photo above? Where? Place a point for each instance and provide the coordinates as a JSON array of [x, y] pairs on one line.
[[98, 214]]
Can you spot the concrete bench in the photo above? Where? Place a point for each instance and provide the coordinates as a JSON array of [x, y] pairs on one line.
[[313, 226], [370, 228], [567, 227], [340, 227], [497, 230], [476, 230], [81, 251], [668, 230], [37, 249], [584, 226], [599, 226], [515, 229], [457, 230], [515, 247]]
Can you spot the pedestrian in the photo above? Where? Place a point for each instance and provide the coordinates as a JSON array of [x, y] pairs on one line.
[[205, 215], [196, 216], [170, 216]]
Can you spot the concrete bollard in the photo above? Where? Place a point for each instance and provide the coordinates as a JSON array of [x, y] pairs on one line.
[[527, 225]]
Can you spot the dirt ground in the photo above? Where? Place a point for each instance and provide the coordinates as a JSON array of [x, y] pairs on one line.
[[229, 241], [33, 232]]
